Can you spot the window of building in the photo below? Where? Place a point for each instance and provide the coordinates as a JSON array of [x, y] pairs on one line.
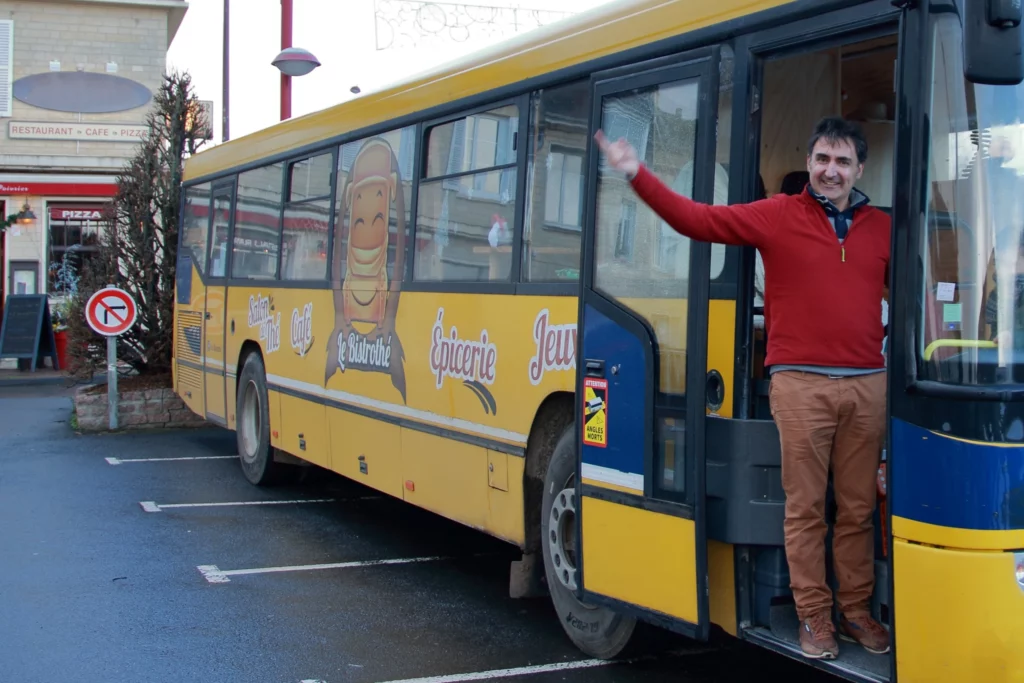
[[466, 209], [74, 232], [254, 251], [307, 217], [6, 66], [372, 217], [556, 175]]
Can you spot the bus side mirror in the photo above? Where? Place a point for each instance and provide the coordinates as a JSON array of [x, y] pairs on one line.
[[992, 42]]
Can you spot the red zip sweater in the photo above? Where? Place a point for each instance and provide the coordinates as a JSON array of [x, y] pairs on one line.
[[826, 297]]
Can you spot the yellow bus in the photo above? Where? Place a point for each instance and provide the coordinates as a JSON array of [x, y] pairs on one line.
[[440, 291]]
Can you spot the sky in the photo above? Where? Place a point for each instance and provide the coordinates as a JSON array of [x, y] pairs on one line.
[[364, 43]]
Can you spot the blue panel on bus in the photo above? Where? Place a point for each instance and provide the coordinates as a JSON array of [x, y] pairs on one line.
[[954, 483], [614, 427]]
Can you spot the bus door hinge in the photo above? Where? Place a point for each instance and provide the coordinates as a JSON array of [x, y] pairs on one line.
[[755, 100], [904, 4]]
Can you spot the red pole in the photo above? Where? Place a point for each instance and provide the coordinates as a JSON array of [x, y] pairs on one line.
[[286, 42], [225, 62]]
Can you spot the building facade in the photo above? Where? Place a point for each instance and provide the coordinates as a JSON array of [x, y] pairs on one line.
[[77, 79]]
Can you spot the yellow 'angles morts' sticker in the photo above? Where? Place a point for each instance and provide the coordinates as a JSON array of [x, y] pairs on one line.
[[595, 412]]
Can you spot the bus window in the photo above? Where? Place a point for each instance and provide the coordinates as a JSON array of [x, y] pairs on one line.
[[257, 224], [723, 149], [557, 165], [971, 314], [219, 236], [465, 218], [195, 223], [306, 219], [639, 260], [384, 163]]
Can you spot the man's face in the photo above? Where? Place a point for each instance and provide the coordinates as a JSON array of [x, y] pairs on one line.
[[834, 169]]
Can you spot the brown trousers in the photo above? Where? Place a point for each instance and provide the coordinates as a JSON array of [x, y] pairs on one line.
[[825, 421]]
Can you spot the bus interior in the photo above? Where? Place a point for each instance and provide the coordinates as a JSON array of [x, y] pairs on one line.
[[857, 81]]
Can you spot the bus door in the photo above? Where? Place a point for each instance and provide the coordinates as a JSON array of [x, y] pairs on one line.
[[641, 379], [214, 332]]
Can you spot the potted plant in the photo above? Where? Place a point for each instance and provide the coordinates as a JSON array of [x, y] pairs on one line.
[[60, 334], [65, 286]]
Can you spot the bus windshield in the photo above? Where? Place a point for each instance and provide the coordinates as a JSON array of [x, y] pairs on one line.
[[971, 308]]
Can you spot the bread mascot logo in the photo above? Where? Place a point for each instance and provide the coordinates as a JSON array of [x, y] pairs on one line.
[[366, 299]]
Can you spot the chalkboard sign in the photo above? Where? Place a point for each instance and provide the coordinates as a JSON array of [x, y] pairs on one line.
[[27, 331]]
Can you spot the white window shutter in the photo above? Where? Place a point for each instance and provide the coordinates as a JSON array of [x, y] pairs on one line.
[[6, 67]]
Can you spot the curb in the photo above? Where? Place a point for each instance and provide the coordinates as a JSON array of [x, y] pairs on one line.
[[50, 381]]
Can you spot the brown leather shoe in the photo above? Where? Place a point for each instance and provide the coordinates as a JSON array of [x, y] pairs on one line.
[[816, 639], [861, 628]]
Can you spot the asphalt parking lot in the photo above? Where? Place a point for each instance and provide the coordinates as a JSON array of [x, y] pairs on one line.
[[146, 556]]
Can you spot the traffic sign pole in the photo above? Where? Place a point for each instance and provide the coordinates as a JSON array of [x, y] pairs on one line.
[[112, 380], [111, 312]]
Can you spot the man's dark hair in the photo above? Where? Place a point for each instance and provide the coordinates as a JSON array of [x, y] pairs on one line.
[[835, 129]]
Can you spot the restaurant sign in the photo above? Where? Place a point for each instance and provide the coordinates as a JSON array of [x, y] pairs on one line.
[[82, 132]]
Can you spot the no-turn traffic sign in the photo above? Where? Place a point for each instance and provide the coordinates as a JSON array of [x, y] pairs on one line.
[[110, 311]]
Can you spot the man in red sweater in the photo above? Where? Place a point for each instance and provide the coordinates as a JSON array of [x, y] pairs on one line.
[[826, 263]]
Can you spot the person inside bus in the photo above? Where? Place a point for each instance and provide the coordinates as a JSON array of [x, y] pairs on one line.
[[1008, 334], [826, 262]]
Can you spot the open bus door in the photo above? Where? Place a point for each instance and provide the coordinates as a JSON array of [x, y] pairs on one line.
[[214, 328], [643, 321]]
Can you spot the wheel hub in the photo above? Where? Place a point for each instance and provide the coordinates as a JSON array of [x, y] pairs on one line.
[[562, 537], [250, 419]]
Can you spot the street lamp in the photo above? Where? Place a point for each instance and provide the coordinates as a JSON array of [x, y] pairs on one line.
[[291, 61], [294, 61], [27, 216]]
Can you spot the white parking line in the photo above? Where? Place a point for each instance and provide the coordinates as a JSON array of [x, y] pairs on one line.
[[150, 506], [508, 673], [547, 668], [213, 574], [120, 461]]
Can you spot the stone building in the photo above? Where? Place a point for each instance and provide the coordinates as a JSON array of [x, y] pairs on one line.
[[77, 79]]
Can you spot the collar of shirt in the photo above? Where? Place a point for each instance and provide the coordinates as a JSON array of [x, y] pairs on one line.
[[840, 220]]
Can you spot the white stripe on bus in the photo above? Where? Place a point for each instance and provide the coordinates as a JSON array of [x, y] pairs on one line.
[[393, 409], [607, 475], [400, 410]]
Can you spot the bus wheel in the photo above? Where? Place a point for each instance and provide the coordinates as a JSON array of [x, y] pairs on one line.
[[598, 631], [253, 425]]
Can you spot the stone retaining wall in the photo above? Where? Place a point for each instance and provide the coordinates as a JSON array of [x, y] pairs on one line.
[[145, 409]]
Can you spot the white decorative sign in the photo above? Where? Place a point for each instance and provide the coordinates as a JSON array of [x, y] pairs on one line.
[[84, 132]]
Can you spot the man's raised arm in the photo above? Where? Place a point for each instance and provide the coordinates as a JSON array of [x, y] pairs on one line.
[[737, 224]]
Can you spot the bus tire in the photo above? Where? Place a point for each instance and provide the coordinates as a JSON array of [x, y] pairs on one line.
[[252, 428], [598, 631]]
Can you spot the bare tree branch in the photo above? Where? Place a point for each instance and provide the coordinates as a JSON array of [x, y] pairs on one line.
[[138, 248]]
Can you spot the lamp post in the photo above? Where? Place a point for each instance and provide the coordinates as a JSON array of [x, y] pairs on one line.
[[291, 61]]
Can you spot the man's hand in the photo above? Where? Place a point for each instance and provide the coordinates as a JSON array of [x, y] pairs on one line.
[[620, 154]]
